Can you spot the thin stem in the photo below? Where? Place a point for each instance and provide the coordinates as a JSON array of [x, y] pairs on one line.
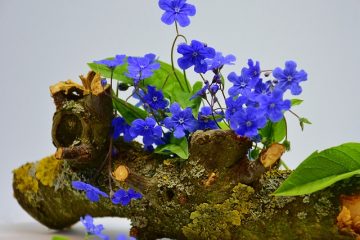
[[117, 89], [282, 163], [203, 78], [167, 78], [111, 77], [111, 84], [177, 28], [295, 114], [286, 127], [172, 59], [110, 165], [186, 81], [212, 112]]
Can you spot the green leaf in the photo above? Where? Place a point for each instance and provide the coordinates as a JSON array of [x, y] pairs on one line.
[[177, 146], [254, 153], [279, 130], [183, 98], [128, 111], [118, 74], [322, 169], [60, 238], [287, 145], [296, 102], [164, 78], [274, 132], [303, 121], [223, 125]]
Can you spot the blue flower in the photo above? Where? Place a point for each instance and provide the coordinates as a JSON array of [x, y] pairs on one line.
[[103, 82], [155, 99], [92, 193], [142, 67], [124, 197], [202, 92], [124, 237], [112, 63], [133, 194], [274, 105], [219, 61], [146, 128], [121, 127], [247, 121], [121, 196], [205, 119], [262, 88], [289, 78], [254, 70], [195, 55], [176, 10], [93, 229], [232, 106], [180, 121], [241, 84], [214, 88]]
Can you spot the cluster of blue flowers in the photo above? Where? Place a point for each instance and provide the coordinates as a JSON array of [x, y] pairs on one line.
[[121, 196], [96, 230], [254, 98]]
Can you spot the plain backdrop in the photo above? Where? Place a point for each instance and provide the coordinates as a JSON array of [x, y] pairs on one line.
[[46, 41]]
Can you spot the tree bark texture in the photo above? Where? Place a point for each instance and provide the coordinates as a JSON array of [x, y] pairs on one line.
[[218, 193]]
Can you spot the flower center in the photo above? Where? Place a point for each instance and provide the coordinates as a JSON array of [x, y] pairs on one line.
[[242, 84], [195, 54], [177, 9], [248, 123], [146, 127], [154, 99], [142, 66], [181, 120], [289, 78], [272, 105]]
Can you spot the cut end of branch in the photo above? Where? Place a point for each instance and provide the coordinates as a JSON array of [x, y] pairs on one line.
[[59, 153], [121, 173], [348, 220], [272, 154]]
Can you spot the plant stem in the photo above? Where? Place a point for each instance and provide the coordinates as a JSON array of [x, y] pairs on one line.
[[172, 59], [282, 163], [295, 114]]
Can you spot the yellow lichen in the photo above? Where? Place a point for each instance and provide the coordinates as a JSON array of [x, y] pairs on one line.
[[215, 221], [47, 170], [25, 181]]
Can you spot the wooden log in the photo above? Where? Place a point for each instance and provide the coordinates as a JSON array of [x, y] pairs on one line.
[[184, 200], [82, 121]]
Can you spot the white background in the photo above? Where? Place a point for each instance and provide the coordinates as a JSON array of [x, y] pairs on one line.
[[43, 42]]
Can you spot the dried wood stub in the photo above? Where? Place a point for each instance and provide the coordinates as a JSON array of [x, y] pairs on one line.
[[82, 121]]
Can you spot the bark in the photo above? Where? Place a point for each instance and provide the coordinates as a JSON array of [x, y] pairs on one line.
[[218, 193], [183, 200]]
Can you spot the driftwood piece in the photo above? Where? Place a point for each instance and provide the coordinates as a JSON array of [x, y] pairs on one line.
[[82, 121], [178, 203], [218, 193]]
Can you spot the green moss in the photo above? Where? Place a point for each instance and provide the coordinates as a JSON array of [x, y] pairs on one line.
[[216, 221], [25, 181], [47, 170], [73, 106]]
